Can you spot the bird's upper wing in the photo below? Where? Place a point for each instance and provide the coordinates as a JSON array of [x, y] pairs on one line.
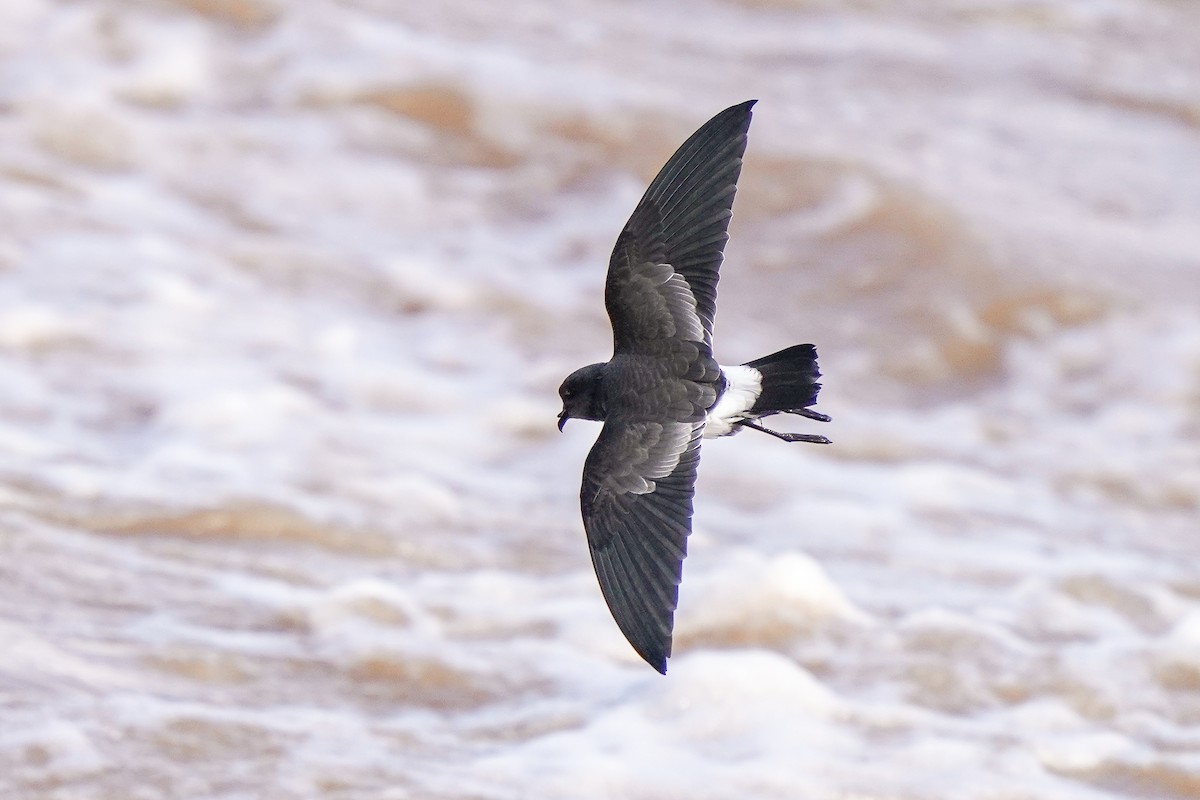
[[662, 277], [637, 509]]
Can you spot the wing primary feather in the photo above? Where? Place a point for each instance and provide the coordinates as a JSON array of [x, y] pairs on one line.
[[657, 594], [704, 193], [646, 640], [625, 601], [697, 150]]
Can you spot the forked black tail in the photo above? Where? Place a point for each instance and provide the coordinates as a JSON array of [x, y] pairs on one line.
[[789, 386], [789, 381]]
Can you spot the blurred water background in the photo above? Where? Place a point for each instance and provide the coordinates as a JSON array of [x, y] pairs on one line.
[[286, 290]]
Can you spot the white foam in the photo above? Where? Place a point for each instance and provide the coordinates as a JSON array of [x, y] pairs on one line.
[[765, 600], [37, 328], [53, 752]]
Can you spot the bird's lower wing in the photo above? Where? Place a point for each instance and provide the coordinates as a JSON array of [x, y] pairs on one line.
[[638, 483]]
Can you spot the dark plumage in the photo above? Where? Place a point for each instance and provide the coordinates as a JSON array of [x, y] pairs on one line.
[[662, 390]]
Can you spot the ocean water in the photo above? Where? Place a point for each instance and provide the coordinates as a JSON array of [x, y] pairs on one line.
[[286, 291]]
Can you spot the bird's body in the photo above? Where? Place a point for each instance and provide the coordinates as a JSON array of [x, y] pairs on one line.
[[662, 391]]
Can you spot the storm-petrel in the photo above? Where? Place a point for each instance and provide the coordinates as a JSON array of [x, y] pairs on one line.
[[662, 390]]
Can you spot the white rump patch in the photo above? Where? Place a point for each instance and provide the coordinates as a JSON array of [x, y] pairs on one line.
[[743, 385]]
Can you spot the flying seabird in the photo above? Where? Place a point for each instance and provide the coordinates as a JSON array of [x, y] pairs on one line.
[[662, 391]]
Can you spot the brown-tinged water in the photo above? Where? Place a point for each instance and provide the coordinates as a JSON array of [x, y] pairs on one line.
[[285, 294]]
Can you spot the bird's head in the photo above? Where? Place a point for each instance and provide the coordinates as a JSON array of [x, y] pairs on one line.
[[582, 394]]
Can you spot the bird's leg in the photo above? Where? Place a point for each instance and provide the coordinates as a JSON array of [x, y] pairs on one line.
[[787, 437], [808, 412]]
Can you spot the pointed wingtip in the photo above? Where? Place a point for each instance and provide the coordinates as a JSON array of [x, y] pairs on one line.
[[743, 106], [653, 651], [656, 657], [658, 662]]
